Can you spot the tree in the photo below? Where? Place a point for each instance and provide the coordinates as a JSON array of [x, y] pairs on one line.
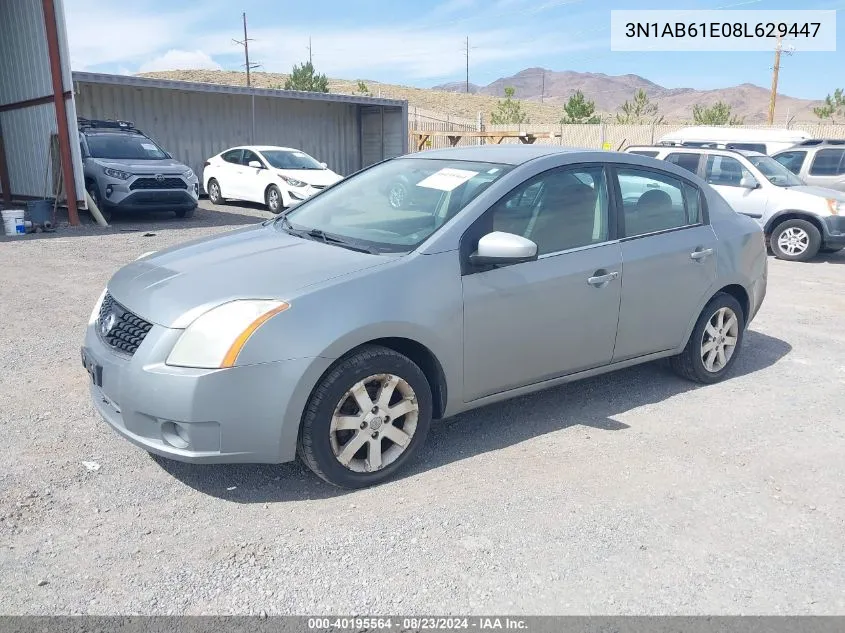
[[579, 110], [833, 105], [508, 110], [303, 77], [362, 89], [639, 110], [717, 114]]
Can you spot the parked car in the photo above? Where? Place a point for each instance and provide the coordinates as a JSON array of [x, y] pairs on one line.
[[342, 327], [821, 165], [275, 176], [799, 220], [765, 141], [126, 171]]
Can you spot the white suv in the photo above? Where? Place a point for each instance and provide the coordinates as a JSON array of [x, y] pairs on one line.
[[799, 221]]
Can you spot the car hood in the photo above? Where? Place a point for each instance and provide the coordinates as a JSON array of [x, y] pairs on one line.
[[173, 286], [319, 177], [822, 192], [164, 166]]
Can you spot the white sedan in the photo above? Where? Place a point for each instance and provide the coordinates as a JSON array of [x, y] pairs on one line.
[[275, 176]]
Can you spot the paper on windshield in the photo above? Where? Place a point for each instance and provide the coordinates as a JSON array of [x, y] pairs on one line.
[[447, 179], [149, 146]]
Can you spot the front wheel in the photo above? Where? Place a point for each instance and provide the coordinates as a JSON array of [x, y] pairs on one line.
[[273, 198], [366, 419], [214, 194], [93, 190], [796, 241], [715, 342]]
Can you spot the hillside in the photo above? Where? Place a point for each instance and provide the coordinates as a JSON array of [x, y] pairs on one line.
[[609, 92]]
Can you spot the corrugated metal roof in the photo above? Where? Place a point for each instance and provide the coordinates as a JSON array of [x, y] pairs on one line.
[[189, 86]]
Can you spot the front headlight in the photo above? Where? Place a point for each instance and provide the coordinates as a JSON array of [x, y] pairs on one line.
[[96, 311], [293, 182], [116, 173], [835, 206], [188, 174], [214, 340]]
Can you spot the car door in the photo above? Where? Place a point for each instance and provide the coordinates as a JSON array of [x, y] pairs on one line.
[[725, 173], [228, 173], [253, 180], [669, 261], [534, 321]]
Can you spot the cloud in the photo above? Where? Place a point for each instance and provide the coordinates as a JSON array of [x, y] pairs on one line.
[[176, 59]]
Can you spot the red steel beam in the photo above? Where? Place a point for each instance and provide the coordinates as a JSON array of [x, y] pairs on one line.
[[61, 111], [20, 105]]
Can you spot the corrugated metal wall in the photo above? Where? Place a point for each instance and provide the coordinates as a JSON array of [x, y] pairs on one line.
[[193, 126], [25, 72]]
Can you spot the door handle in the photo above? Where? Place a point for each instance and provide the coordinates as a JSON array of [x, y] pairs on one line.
[[702, 253], [599, 281]]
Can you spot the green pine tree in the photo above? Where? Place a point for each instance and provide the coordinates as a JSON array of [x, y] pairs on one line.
[[508, 110], [717, 114], [303, 77], [579, 110]]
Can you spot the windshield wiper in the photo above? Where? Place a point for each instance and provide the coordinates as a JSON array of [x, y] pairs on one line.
[[339, 241]]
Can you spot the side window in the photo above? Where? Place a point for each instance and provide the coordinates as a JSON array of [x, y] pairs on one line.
[[687, 161], [828, 162], [233, 156], [725, 171], [250, 156], [656, 202], [792, 160], [559, 210]]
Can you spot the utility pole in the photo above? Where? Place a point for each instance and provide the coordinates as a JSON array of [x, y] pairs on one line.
[[467, 54], [245, 44], [775, 72], [543, 86], [310, 57]]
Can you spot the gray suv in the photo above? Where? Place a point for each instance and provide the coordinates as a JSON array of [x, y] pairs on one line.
[[127, 171], [817, 163]]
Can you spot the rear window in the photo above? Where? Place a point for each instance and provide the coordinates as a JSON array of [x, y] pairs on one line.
[[752, 147], [828, 162]]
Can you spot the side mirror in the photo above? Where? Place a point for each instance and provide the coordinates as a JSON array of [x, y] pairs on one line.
[[255, 164], [748, 182], [324, 165], [498, 248]]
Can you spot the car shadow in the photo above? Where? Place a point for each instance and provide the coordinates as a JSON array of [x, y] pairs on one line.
[[206, 215], [592, 403], [829, 258]]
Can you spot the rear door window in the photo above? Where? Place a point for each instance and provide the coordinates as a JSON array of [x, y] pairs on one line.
[[688, 161], [828, 162], [725, 171], [655, 201]]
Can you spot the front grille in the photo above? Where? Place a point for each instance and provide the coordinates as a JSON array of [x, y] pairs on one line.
[[154, 183], [127, 331]]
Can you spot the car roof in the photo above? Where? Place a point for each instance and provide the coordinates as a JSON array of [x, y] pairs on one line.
[[811, 148], [262, 148], [695, 150], [511, 154]]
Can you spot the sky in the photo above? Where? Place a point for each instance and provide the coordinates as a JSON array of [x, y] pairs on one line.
[[421, 42]]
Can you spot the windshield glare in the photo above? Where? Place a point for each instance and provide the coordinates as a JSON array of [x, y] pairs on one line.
[[397, 205], [281, 159], [776, 173], [124, 147]]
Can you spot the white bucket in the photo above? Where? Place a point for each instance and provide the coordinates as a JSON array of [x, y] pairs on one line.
[[13, 222]]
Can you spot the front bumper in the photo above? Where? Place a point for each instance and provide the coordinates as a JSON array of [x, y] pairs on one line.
[[119, 195], [292, 195], [834, 234], [242, 414]]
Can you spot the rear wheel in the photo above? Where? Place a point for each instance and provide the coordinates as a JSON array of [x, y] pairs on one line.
[[214, 194], [795, 240], [715, 342], [366, 419], [273, 198]]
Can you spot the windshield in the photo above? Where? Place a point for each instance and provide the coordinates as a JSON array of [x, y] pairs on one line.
[[124, 147], [776, 173], [396, 205], [281, 159]]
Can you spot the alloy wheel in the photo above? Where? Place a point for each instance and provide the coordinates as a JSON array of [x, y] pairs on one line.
[[718, 343], [374, 423], [793, 241]]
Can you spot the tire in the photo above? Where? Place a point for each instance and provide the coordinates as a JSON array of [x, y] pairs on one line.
[[690, 363], [215, 195], [94, 191], [186, 213], [397, 196], [795, 240], [273, 199], [323, 447], [831, 249]]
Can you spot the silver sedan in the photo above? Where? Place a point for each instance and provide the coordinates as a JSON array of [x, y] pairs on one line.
[[339, 330]]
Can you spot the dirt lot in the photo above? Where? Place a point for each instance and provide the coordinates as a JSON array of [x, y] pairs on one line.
[[631, 493]]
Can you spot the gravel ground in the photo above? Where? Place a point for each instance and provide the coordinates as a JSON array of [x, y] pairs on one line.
[[630, 493]]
